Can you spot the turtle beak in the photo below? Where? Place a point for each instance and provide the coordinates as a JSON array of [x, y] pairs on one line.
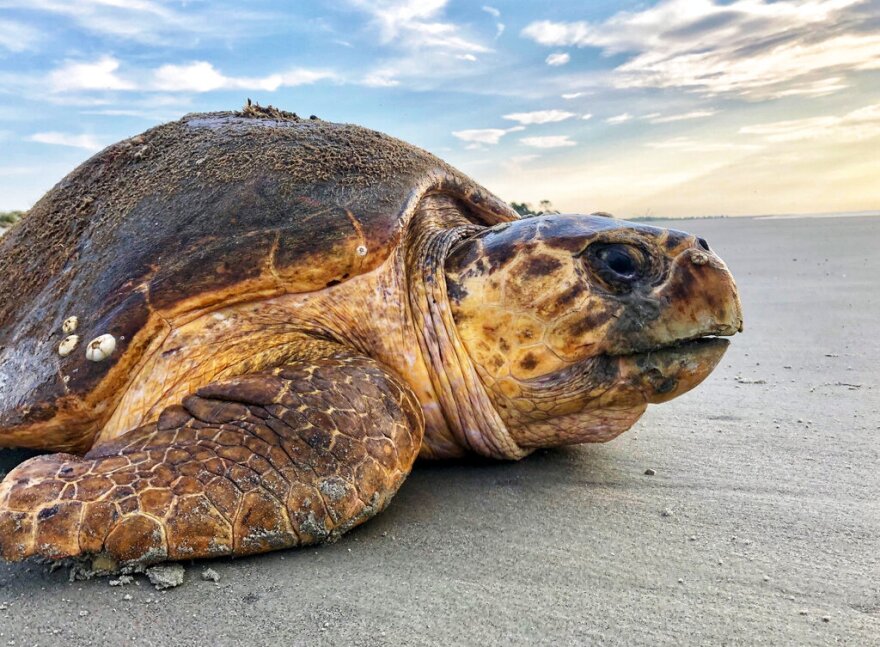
[[700, 299]]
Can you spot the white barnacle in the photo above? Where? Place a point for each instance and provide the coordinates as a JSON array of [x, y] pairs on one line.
[[361, 250], [69, 325], [699, 258], [100, 348], [67, 345]]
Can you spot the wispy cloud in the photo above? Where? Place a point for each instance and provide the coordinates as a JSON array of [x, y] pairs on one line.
[[87, 142], [685, 116], [197, 76], [201, 76], [857, 125], [539, 116], [495, 13], [380, 79], [558, 58], [818, 88], [619, 119], [549, 141], [153, 21], [424, 46], [489, 136], [753, 47], [416, 23], [688, 145], [98, 75], [16, 36], [573, 95]]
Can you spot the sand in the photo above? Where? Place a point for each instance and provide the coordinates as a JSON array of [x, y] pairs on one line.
[[761, 524]]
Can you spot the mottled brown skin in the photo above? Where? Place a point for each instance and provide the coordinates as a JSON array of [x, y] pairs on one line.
[[269, 397]]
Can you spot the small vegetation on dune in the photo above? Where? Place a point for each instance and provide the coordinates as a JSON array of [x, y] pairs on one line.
[[525, 209], [8, 218]]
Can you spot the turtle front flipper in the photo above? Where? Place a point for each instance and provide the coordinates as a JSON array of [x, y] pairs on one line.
[[288, 457]]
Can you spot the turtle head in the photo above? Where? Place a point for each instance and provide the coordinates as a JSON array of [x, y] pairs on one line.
[[576, 323]]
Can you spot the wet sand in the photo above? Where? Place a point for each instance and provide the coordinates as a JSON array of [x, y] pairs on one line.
[[760, 526]]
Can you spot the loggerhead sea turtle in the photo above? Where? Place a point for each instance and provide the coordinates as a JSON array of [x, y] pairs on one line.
[[243, 328]]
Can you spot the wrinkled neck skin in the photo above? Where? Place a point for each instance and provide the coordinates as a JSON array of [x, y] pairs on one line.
[[399, 314], [461, 408]]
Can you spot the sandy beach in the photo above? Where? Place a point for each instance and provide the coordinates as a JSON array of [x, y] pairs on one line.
[[761, 524]]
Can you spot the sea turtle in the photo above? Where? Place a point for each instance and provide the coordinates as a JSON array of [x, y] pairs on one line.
[[242, 328]]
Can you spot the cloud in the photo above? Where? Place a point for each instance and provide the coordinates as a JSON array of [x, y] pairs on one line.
[[619, 119], [539, 116], [752, 47], [688, 145], [201, 76], [484, 135], [197, 76], [87, 142], [18, 37], [587, 116], [558, 58], [573, 95], [818, 88], [694, 114], [100, 75], [152, 21], [550, 141], [380, 79], [495, 13], [426, 50], [857, 125], [413, 24]]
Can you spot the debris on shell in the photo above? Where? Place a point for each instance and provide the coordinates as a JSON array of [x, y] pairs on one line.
[[69, 325], [100, 348], [67, 345], [122, 580], [210, 575], [361, 250], [166, 576]]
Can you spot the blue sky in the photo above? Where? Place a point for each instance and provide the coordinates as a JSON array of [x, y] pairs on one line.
[[679, 107]]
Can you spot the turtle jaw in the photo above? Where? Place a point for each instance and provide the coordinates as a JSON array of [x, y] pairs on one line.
[[669, 371]]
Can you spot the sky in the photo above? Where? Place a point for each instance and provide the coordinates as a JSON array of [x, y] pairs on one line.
[[670, 108]]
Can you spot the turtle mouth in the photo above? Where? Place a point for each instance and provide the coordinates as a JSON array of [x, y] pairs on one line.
[[667, 371], [694, 344]]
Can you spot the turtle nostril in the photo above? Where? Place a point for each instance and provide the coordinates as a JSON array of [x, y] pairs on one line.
[[702, 243]]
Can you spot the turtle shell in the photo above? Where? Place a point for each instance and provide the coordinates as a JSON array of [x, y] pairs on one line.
[[205, 211]]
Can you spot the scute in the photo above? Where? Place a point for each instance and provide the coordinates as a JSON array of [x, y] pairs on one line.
[[208, 210]]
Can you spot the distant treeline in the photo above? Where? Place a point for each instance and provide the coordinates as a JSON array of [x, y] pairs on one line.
[[653, 218], [525, 210]]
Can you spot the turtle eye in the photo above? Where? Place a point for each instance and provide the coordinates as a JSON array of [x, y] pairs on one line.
[[616, 264]]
